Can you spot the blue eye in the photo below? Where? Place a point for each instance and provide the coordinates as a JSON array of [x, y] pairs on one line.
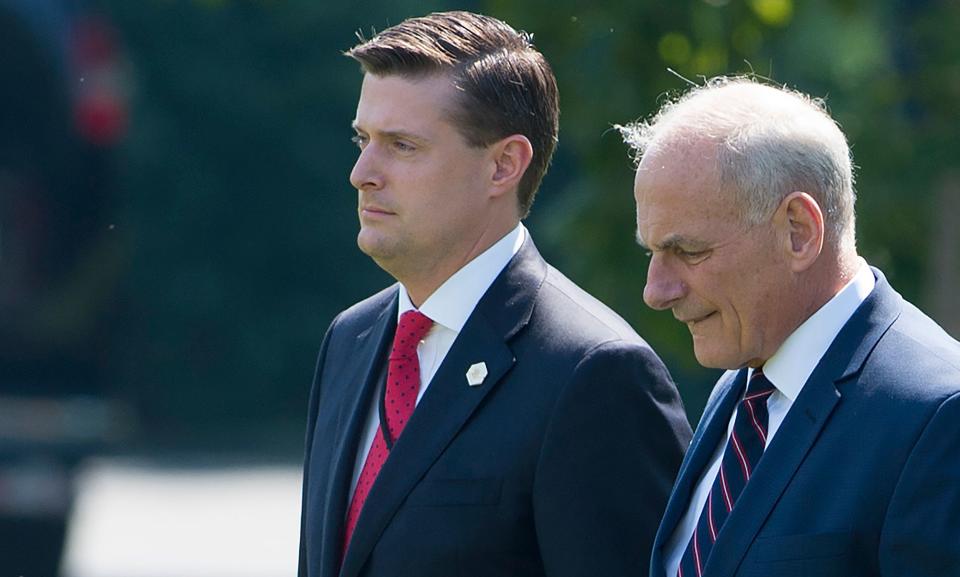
[[359, 140]]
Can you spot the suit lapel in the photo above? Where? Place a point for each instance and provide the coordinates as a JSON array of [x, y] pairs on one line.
[[450, 400], [786, 452], [367, 368], [802, 426], [711, 430]]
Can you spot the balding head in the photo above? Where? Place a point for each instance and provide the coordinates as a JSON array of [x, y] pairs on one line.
[[770, 142]]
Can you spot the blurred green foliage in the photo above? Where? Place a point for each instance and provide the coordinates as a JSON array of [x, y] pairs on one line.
[[238, 208], [236, 202], [887, 70]]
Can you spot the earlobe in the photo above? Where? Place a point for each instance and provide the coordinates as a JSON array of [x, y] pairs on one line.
[[805, 228], [512, 156]]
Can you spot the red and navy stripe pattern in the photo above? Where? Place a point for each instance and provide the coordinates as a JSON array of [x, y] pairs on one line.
[[740, 458]]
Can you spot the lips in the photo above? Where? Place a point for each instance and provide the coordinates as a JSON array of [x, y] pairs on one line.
[[693, 320], [371, 209]]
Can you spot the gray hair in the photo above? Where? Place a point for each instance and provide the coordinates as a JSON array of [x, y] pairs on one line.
[[770, 142]]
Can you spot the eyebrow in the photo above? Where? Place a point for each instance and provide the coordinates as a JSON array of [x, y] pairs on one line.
[[673, 241], [392, 133]]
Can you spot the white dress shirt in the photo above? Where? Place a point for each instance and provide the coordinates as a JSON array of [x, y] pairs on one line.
[[448, 307], [788, 369]]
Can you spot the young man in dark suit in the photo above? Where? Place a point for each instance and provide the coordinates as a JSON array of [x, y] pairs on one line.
[[546, 433]]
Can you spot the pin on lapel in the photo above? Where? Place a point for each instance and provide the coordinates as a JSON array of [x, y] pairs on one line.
[[476, 373]]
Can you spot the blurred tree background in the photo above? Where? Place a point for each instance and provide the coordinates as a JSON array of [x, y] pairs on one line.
[[239, 223]]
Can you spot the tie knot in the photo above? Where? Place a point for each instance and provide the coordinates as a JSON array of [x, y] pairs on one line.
[[759, 386], [412, 327]]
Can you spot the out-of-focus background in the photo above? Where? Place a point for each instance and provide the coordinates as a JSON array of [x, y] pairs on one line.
[[177, 230]]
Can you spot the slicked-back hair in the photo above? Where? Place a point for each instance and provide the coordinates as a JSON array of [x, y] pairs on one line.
[[506, 85], [770, 141]]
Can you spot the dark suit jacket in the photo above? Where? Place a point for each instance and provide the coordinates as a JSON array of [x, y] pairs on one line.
[[863, 476], [559, 463]]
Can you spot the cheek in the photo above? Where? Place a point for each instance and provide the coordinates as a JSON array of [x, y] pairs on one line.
[[730, 302], [751, 311]]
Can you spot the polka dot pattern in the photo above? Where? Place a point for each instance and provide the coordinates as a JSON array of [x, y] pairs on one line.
[[403, 384]]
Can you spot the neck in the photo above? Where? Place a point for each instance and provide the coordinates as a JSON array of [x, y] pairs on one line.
[[825, 279], [429, 274], [806, 294]]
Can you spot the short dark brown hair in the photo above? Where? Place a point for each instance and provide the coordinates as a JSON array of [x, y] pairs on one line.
[[507, 85]]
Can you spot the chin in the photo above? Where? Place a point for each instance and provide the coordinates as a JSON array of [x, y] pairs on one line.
[[384, 255], [711, 363], [713, 359], [370, 243]]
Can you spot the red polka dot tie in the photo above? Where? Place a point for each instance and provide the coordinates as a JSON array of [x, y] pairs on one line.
[[400, 398]]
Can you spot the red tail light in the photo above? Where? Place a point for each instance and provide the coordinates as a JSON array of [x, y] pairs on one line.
[[100, 83]]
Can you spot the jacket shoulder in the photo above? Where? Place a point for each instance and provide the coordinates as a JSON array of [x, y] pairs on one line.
[[917, 348], [361, 314], [568, 310]]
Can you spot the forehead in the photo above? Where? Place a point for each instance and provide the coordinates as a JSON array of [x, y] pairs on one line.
[[678, 195], [675, 156], [404, 104]]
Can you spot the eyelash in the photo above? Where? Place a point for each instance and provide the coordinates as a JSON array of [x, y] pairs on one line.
[[692, 257], [689, 256], [402, 146]]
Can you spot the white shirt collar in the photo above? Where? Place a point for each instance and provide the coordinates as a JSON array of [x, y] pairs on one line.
[[452, 303], [790, 367]]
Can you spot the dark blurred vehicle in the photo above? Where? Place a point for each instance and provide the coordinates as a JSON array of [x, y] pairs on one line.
[[62, 113]]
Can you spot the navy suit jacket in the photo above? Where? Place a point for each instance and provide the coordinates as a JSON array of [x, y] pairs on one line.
[[863, 476], [559, 463]]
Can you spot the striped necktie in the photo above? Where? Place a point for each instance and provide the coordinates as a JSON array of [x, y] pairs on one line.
[[740, 458]]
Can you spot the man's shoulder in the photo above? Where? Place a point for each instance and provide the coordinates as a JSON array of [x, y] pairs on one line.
[[917, 345], [360, 315], [564, 306], [909, 369], [897, 352]]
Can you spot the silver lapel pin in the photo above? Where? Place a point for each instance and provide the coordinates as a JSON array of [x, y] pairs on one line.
[[476, 374]]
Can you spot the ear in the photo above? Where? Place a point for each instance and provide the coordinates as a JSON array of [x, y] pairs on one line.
[[511, 156], [804, 229]]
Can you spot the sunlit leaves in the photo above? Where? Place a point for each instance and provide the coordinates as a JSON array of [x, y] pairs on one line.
[[773, 12]]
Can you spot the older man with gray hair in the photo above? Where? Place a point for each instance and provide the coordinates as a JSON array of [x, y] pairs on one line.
[[831, 446]]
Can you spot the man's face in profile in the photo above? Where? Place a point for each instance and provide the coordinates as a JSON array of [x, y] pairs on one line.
[[419, 181], [718, 276]]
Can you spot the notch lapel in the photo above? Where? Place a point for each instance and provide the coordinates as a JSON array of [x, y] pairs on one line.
[[450, 401], [711, 431], [803, 425], [779, 463], [367, 367]]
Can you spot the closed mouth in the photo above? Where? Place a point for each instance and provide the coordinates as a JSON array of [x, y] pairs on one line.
[[374, 210], [693, 321]]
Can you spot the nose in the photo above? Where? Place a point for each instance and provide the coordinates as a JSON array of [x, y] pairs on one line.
[[664, 288], [365, 174]]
